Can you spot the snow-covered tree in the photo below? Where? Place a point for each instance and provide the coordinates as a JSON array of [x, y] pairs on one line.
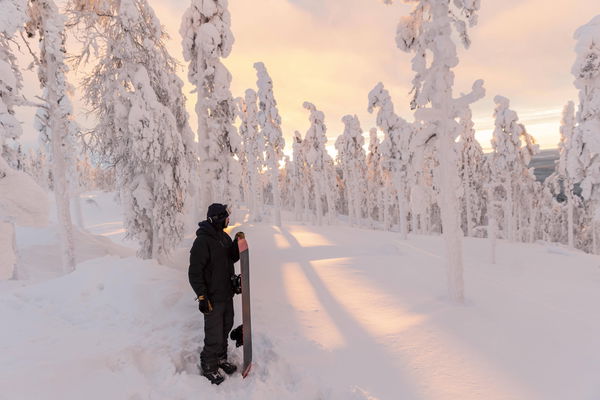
[[69, 147], [37, 167], [46, 21], [352, 160], [427, 32], [206, 38], [568, 167], [285, 182], [301, 180], [21, 200], [586, 70], [513, 148], [395, 151], [424, 185], [252, 153], [320, 164], [270, 126], [12, 18], [142, 124], [472, 173], [374, 178], [157, 172]]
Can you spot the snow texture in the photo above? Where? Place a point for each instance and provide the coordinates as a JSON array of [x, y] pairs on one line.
[[120, 327]]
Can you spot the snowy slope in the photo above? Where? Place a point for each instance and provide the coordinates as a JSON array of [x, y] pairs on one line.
[[338, 313]]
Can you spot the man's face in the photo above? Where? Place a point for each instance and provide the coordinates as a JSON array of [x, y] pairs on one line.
[[226, 222]]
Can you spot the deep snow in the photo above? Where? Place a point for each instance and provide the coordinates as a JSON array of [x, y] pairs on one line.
[[338, 313]]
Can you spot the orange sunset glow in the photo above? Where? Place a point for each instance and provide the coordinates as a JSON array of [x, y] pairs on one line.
[[332, 52]]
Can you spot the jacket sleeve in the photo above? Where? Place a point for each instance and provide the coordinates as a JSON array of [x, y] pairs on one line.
[[234, 251], [199, 258]]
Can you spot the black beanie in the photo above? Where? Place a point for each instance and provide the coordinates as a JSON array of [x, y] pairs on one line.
[[217, 212]]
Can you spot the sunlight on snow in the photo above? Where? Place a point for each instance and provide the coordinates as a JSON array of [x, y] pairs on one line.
[[108, 228], [281, 241], [454, 371], [309, 239], [378, 312], [105, 224], [316, 323]]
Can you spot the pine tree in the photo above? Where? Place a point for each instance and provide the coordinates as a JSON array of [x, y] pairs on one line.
[[586, 71], [252, 153], [206, 38], [513, 148], [427, 32], [395, 150], [568, 167], [374, 178], [49, 24], [352, 160], [320, 164], [472, 173], [301, 178], [11, 80], [270, 126], [142, 124]]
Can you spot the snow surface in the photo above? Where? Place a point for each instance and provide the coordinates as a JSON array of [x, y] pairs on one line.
[[338, 313], [21, 199]]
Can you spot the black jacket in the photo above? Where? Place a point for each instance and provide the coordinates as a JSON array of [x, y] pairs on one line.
[[211, 263]]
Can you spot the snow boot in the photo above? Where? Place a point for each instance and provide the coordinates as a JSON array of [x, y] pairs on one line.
[[227, 367], [214, 377]]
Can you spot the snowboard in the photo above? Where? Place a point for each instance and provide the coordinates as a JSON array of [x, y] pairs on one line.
[[246, 320]]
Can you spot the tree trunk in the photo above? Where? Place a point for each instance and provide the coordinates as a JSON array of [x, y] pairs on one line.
[[8, 263], [570, 231], [59, 171], [205, 190], [276, 194], [318, 199], [468, 205], [402, 210], [449, 209]]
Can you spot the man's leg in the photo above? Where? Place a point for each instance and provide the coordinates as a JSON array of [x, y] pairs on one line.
[[213, 338], [227, 325]]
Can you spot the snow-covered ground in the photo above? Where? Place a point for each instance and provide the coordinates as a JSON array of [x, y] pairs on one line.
[[338, 313]]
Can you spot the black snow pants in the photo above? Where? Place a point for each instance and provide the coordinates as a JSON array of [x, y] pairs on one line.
[[217, 325]]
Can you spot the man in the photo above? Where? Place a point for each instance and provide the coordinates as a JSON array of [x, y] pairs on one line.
[[212, 277]]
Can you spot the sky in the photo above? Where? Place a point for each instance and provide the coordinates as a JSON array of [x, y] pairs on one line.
[[333, 52]]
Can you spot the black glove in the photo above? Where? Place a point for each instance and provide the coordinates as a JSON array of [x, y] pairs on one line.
[[236, 283], [204, 304]]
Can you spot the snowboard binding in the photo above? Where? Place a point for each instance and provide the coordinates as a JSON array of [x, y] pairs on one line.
[[237, 336]]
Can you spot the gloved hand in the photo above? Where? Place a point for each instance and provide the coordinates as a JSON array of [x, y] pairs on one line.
[[240, 235], [204, 304]]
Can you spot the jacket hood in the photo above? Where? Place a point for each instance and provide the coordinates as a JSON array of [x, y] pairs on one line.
[[206, 228]]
